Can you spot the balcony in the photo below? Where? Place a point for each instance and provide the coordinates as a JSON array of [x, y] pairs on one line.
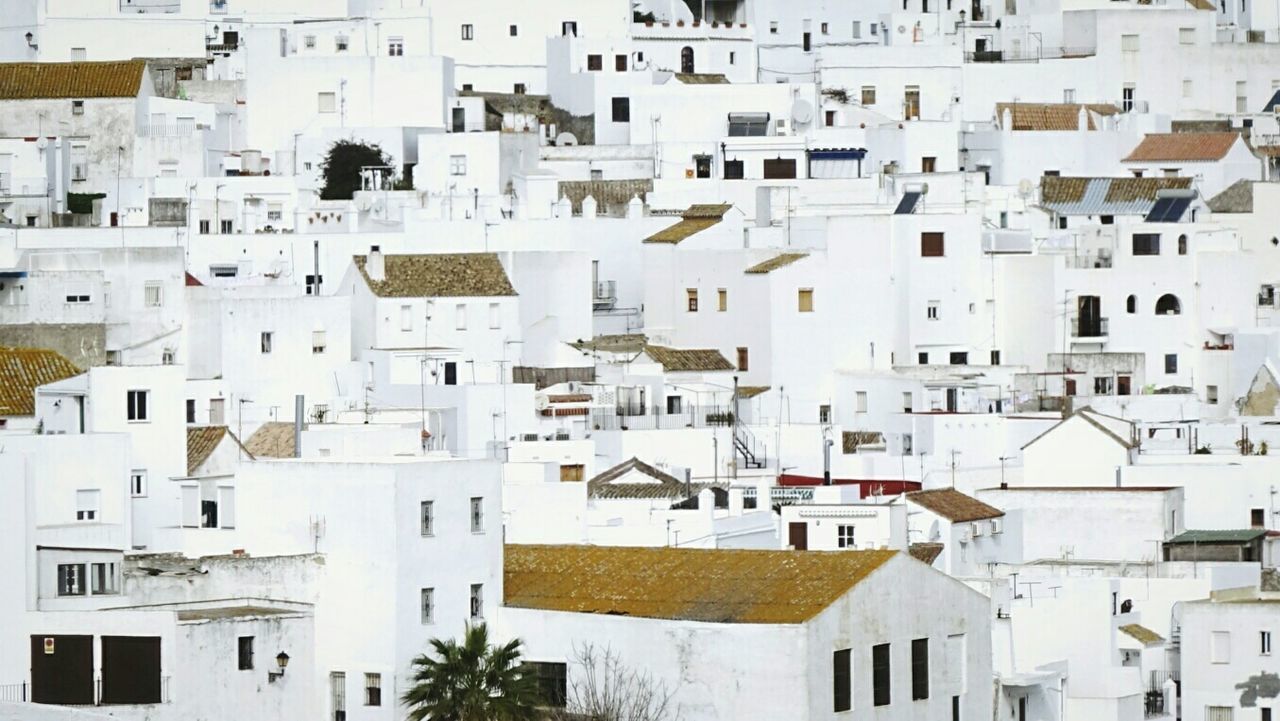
[[605, 295], [1027, 55], [1089, 261], [1093, 329]]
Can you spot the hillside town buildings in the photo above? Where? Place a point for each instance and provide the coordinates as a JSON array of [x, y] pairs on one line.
[[808, 360]]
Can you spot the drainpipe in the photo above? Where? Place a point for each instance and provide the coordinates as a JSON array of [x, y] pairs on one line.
[[298, 405]]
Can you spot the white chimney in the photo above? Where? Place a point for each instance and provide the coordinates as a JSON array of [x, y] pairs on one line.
[[375, 265]]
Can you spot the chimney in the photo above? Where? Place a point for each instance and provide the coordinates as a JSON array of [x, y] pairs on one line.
[[375, 266], [1082, 119]]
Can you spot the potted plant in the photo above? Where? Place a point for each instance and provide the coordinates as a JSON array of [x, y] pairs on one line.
[[679, 23]]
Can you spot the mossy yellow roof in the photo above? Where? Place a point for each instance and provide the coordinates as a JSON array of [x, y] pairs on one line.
[[709, 585], [22, 370], [116, 79]]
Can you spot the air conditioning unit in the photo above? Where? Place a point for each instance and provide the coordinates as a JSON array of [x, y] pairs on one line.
[[976, 528], [781, 127], [997, 526]]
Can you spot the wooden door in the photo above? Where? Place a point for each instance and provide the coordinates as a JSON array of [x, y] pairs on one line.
[[1122, 385], [798, 536], [130, 669], [62, 670]]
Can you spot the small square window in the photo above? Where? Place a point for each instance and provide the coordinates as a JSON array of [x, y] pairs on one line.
[[395, 47], [844, 536], [773, 27], [373, 689], [477, 514], [427, 514], [691, 299], [477, 601], [327, 102], [933, 311], [595, 62], [457, 165], [519, 89], [869, 94], [621, 108], [922, 359], [319, 344], [265, 341], [138, 477], [513, 31], [340, 43], [153, 293], [805, 300], [77, 107], [309, 41], [468, 32]]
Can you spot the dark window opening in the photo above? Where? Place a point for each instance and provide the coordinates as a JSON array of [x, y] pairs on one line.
[[702, 166], [595, 62], [995, 357], [1257, 518], [959, 358], [1171, 363], [620, 63], [1131, 304], [932, 245], [922, 359], [779, 168], [552, 682], [1146, 244], [1168, 305], [622, 110], [919, 669], [733, 170], [880, 674], [843, 696], [245, 647]]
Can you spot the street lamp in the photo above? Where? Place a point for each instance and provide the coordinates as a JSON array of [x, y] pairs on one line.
[[282, 660]]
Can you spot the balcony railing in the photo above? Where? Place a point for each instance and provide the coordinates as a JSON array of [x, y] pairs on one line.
[[1085, 261], [1027, 55], [22, 693], [168, 130], [1097, 328], [782, 495]]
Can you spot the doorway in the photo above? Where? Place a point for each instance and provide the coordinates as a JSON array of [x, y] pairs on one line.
[[459, 123], [450, 373], [797, 535], [686, 59]]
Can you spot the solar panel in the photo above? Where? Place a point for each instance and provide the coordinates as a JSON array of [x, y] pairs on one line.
[[907, 205], [1158, 210]]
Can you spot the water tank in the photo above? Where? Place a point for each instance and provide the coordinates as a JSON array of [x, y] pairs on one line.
[[251, 162]]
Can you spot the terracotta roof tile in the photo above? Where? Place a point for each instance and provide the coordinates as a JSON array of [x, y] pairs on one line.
[[774, 263], [1237, 198], [1105, 196], [694, 220], [27, 81], [1141, 634], [271, 440], [21, 370], [1199, 147], [619, 343], [954, 505], [683, 359], [748, 392], [439, 275], [925, 552], [201, 441], [659, 485], [707, 585], [1052, 116]]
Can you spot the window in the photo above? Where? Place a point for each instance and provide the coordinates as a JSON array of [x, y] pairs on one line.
[[191, 410], [477, 601], [959, 358], [77, 295], [595, 62], [265, 341], [1211, 395], [1182, 244], [733, 58], [773, 27], [824, 413], [1187, 36], [1068, 95], [620, 63], [395, 47], [513, 31], [327, 102], [495, 316], [928, 164], [569, 28], [1168, 304], [338, 694], [575, 472], [844, 536], [1186, 87], [691, 299], [860, 401], [340, 43], [722, 300], [911, 102], [428, 604], [919, 669], [743, 359], [733, 170], [477, 515], [460, 317], [427, 519], [841, 662], [621, 110], [908, 404], [1217, 713], [805, 300], [932, 245], [204, 227], [857, 29], [71, 579], [309, 42], [373, 689], [1242, 97], [1146, 244], [1126, 97], [1171, 363], [518, 89], [102, 579], [868, 95], [933, 310], [1220, 647], [922, 358], [829, 118], [880, 674], [224, 227], [1264, 640], [137, 405], [1102, 386], [457, 165], [318, 342], [138, 476], [552, 682], [824, 28], [77, 107], [1129, 43], [779, 168], [245, 648], [468, 32], [995, 357], [406, 317]]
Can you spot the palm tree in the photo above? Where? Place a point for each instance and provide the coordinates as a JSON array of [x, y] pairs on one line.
[[473, 681]]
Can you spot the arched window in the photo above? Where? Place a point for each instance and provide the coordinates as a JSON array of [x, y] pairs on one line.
[[686, 59], [1168, 305], [1182, 245], [1131, 304]]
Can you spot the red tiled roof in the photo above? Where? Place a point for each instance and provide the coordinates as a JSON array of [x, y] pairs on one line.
[[1203, 147]]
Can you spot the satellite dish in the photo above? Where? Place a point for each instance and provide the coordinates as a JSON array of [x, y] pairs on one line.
[[801, 111], [42, 143], [1025, 188], [541, 402], [565, 139], [902, 29]]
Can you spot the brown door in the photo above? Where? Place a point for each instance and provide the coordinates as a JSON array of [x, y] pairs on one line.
[[62, 670], [1071, 387], [1122, 385], [798, 536], [779, 168], [130, 669]]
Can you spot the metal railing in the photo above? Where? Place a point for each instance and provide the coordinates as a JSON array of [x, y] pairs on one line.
[[167, 130], [637, 417], [1024, 55], [1098, 329], [782, 495], [15, 693], [22, 693]]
